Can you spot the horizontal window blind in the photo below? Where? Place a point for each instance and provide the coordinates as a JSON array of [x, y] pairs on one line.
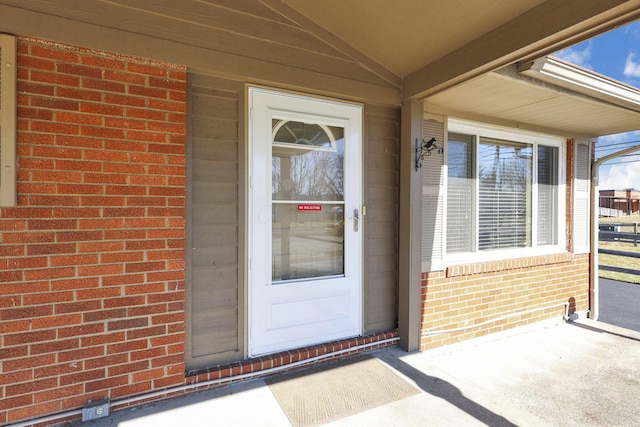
[[504, 194]]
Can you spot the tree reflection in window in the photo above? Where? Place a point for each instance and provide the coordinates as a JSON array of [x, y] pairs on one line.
[[307, 162]]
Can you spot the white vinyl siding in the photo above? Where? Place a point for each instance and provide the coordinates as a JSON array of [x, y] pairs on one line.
[[503, 193], [7, 120], [581, 194]]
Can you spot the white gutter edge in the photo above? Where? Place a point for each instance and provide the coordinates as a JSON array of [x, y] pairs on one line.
[[594, 286], [580, 80]]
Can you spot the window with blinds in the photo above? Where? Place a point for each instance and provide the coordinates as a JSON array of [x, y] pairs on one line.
[[503, 193]]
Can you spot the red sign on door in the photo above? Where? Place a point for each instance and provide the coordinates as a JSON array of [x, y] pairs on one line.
[[309, 207]]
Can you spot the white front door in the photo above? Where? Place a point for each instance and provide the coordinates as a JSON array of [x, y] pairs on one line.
[[305, 227]]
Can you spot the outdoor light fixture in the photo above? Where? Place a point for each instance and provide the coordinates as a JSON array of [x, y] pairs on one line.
[[424, 149]]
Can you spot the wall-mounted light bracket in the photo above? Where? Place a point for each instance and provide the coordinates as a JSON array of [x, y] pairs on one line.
[[425, 148]]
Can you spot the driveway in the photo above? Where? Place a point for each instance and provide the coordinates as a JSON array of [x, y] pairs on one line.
[[620, 303]]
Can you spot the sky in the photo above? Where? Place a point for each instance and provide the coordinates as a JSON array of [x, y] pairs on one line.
[[615, 54]]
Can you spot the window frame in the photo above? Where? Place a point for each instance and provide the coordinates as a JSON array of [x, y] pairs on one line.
[[481, 130], [8, 120]]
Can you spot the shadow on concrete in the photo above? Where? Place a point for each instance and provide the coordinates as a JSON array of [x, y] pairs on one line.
[[448, 392], [602, 331]]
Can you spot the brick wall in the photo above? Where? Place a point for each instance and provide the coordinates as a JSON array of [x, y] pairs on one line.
[[474, 294], [470, 297], [92, 258]]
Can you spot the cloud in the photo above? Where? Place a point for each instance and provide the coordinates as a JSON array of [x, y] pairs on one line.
[[632, 67], [576, 55], [615, 175], [620, 176]]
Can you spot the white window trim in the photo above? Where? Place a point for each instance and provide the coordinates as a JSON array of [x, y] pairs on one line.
[[516, 135], [8, 121]]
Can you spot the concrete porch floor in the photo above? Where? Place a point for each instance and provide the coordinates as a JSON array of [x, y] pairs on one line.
[[552, 373]]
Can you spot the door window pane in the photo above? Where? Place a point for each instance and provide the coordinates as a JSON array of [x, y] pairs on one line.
[[307, 162], [308, 241], [307, 200]]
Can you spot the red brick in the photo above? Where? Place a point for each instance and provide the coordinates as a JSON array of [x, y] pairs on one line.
[[153, 70], [99, 246], [82, 377], [16, 402], [77, 307], [101, 109], [52, 224], [49, 127], [28, 362], [132, 389], [57, 79], [44, 51], [73, 284], [103, 339], [128, 346], [168, 318], [56, 321], [11, 251], [75, 236], [47, 298], [148, 375], [97, 293], [34, 88], [7, 327], [105, 384], [49, 274], [148, 353], [30, 387], [74, 356], [128, 368], [129, 301], [127, 324], [146, 332], [145, 266], [169, 381], [75, 331], [33, 113], [110, 74], [16, 377], [13, 352], [33, 411], [100, 270], [57, 394], [122, 280], [104, 85], [84, 95], [125, 168], [146, 310], [110, 156], [25, 312]]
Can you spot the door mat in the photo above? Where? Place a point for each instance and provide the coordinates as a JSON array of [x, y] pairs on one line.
[[325, 394]]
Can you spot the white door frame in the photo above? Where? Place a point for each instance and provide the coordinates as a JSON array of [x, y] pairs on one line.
[[333, 308]]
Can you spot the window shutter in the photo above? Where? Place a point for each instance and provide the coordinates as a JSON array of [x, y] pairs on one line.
[[433, 195], [7, 120], [581, 196]]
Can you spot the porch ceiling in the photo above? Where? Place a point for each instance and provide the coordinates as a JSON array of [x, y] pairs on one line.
[[544, 103], [412, 33]]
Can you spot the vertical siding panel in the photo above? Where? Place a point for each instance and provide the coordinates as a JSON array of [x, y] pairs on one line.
[[215, 322], [433, 209], [381, 151]]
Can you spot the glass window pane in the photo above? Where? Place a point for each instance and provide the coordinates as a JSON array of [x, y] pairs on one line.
[[308, 162], [547, 195], [505, 178], [460, 192], [308, 241]]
